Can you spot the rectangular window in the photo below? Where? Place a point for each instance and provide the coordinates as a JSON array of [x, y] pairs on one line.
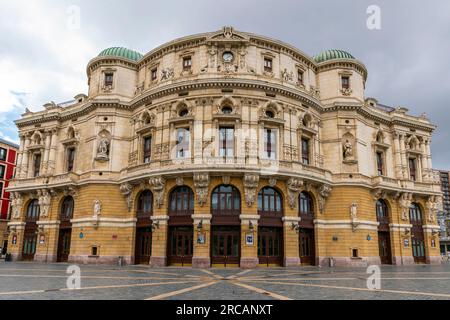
[[37, 165], [268, 64], [270, 144], [3, 154], [187, 63], [109, 79], [412, 169], [380, 163], [154, 74], [226, 137], [300, 76], [70, 159], [2, 172], [183, 143], [305, 151], [147, 149], [345, 82]]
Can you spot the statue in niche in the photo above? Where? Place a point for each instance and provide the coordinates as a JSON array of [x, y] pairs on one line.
[[348, 150], [103, 147], [97, 208]]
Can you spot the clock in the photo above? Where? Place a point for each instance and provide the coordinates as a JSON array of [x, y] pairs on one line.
[[228, 56]]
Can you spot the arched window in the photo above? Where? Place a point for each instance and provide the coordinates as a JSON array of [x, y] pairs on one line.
[[67, 207], [269, 202], [306, 205], [226, 200], [33, 210], [181, 201], [382, 211], [415, 214], [145, 204]]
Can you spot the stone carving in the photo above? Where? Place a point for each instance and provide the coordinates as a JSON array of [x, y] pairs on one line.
[[127, 190], [324, 193], [158, 184], [226, 180], [432, 208], [346, 91], [167, 73], [286, 75], [251, 182], [272, 182], [70, 191], [201, 183], [16, 204], [348, 150], [180, 181], [405, 203], [293, 186], [354, 211], [103, 147], [379, 194], [97, 208], [44, 202]]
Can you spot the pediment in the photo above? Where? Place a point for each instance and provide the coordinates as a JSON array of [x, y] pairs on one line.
[[228, 34]]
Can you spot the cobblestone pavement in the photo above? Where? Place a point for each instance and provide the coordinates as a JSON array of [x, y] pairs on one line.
[[48, 281]]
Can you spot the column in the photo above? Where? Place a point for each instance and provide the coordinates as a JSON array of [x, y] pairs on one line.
[[403, 157], [48, 136], [20, 156], [52, 155], [428, 155], [398, 157], [202, 240], [25, 158], [424, 158], [249, 241]]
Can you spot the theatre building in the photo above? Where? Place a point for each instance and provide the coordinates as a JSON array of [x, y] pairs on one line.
[[225, 149]]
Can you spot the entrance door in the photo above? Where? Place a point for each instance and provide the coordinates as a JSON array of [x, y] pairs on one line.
[[418, 247], [143, 248], [306, 247], [225, 247], [417, 237], [180, 246], [29, 244], [65, 236], [384, 244], [270, 246]]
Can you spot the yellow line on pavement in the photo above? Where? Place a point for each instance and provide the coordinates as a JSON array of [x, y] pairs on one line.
[[261, 291], [178, 292], [239, 274], [95, 288], [431, 294], [211, 273]]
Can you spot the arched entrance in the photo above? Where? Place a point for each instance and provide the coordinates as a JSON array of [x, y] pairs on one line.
[[143, 243], [65, 229], [417, 236], [30, 234], [384, 239], [181, 231], [270, 229], [225, 226], [306, 241]]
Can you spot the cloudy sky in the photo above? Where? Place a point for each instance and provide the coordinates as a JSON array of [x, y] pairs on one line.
[[44, 51]]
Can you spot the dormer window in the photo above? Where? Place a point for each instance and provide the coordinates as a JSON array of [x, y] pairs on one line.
[[227, 110], [268, 64], [345, 82], [187, 63], [109, 79], [154, 74], [300, 76], [270, 114], [184, 113]]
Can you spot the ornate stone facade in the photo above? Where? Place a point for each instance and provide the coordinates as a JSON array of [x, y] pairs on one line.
[[226, 132]]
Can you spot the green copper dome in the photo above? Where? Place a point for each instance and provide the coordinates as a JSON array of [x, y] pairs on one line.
[[121, 52], [332, 54]]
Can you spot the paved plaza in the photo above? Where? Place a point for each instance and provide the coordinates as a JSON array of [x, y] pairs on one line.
[[20, 281]]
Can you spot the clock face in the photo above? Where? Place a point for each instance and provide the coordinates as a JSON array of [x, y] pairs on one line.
[[228, 56]]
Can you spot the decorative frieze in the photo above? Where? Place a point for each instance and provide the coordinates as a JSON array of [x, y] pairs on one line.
[[251, 182], [201, 183]]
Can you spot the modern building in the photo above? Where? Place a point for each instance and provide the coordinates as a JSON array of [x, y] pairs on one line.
[[223, 149], [444, 213], [8, 154]]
